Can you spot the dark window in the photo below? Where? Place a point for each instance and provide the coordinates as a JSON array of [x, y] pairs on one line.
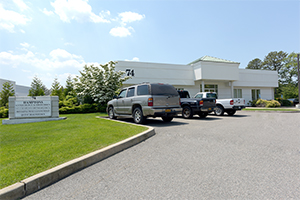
[[163, 89], [211, 95], [142, 90], [130, 92]]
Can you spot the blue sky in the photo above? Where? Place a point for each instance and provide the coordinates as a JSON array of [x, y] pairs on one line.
[[56, 38]]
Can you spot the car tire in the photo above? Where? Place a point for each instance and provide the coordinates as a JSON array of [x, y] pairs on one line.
[[167, 119], [231, 112], [187, 112], [138, 116], [111, 113], [203, 115], [219, 110]]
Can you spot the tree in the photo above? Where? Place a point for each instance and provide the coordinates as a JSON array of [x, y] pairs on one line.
[[57, 89], [37, 87], [274, 61], [69, 89], [289, 71], [254, 64], [7, 91], [99, 83]]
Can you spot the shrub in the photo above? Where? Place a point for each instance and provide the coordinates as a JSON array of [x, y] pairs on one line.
[[268, 104], [272, 104], [261, 103], [84, 108], [284, 102], [3, 112]]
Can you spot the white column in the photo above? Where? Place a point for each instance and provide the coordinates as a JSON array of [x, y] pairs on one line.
[[202, 86], [231, 84]]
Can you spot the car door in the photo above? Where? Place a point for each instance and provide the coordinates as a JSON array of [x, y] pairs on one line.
[[120, 103], [128, 100]]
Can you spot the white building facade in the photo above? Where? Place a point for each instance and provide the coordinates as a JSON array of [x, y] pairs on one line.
[[19, 89], [205, 74]]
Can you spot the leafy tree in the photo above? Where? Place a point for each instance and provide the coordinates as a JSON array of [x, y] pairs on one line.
[[7, 90], [254, 64], [99, 83], [57, 89], [289, 71], [289, 91], [37, 87], [274, 61]]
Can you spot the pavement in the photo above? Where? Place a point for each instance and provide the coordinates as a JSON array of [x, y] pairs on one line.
[[251, 155]]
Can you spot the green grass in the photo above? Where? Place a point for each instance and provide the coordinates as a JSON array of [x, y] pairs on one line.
[[28, 149], [272, 109]]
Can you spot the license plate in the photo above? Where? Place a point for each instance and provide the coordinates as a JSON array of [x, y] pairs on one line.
[[168, 110]]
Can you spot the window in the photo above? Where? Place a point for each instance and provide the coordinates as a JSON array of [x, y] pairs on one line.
[[255, 94], [122, 94], [209, 88], [238, 93], [142, 90], [163, 89], [199, 96], [130, 92]]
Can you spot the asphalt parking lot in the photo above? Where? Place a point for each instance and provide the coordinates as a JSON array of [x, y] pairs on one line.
[[252, 155]]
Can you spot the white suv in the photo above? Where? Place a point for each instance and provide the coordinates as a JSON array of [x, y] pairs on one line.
[[146, 100]]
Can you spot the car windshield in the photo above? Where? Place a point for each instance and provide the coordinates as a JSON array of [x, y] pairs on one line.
[[163, 89], [211, 95]]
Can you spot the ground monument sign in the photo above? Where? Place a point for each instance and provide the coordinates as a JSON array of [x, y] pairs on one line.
[[32, 109]]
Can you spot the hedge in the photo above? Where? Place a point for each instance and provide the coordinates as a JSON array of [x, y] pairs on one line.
[[84, 108]]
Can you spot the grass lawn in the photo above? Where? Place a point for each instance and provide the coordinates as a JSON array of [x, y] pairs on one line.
[[272, 109], [28, 149]]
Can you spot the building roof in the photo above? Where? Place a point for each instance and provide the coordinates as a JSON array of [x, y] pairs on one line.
[[212, 59]]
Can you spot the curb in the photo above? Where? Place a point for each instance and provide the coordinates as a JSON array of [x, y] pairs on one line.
[[44, 179]]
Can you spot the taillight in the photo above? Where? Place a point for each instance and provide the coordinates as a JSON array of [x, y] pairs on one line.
[[150, 101], [231, 102], [179, 102], [201, 103]]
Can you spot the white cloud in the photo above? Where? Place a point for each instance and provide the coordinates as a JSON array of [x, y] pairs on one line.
[[121, 31], [9, 19], [57, 59], [25, 44], [127, 17], [46, 12], [20, 3], [78, 10], [133, 59]]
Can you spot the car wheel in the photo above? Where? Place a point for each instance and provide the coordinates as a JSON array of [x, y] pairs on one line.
[[167, 119], [111, 113], [138, 116], [203, 115], [219, 110], [187, 112], [231, 112]]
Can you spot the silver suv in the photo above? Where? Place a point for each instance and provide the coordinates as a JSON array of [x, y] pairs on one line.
[[146, 100]]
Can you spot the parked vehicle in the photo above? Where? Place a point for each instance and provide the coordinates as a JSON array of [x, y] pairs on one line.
[[192, 106], [230, 106], [146, 100], [294, 101]]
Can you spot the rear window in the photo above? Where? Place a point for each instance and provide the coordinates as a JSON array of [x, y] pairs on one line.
[[211, 95], [143, 90], [163, 89]]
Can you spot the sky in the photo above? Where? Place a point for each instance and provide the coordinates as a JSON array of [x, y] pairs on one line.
[[55, 38]]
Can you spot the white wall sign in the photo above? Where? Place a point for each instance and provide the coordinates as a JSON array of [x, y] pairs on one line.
[[32, 108]]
